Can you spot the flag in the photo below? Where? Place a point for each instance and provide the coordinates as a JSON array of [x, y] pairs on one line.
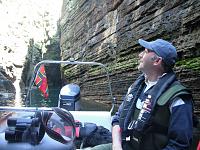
[[198, 147], [41, 81]]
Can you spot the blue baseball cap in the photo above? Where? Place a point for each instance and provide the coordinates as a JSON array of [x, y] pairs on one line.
[[163, 49]]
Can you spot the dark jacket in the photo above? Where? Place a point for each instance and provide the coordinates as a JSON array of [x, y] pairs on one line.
[[178, 124]]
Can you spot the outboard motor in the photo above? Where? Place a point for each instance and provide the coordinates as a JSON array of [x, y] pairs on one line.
[[69, 97]]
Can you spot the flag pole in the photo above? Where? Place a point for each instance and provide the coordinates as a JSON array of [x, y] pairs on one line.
[[28, 95]]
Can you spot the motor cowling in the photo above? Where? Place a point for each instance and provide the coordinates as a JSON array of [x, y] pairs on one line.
[[69, 97]]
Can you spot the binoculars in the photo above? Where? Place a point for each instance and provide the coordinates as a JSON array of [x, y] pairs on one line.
[[23, 130]]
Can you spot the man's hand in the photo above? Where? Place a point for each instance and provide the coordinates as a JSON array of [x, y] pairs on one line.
[[115, 147], [116, 138]]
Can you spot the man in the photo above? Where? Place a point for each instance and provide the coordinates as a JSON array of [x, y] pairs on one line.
[[156, 113]]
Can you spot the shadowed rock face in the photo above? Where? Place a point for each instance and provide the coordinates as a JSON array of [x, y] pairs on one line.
[[7, 89], [107, 31]]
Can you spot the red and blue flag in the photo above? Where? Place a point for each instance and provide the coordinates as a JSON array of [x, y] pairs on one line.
[[41, 81]]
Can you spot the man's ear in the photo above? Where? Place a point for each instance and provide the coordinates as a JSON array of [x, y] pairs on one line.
[[157, 60]]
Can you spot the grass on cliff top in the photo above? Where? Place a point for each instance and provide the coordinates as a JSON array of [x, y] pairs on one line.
[[190, 63]]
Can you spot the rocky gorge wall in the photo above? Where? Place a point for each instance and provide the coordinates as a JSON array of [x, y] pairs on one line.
[[107, 31]]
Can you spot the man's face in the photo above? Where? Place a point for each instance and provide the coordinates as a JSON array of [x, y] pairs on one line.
[[146, 61]]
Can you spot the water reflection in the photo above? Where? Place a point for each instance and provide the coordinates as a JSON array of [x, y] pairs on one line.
[[37, 100], [86, 105], [7, 99], [7, 102]]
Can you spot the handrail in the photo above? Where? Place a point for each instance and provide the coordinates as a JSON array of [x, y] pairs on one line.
[[24, 109], [70, 63]]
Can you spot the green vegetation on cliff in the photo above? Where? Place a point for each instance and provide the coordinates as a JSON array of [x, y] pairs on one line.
[[190, 63], [119, 65]]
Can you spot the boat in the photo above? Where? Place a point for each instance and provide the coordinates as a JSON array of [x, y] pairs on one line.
[[34, 128]]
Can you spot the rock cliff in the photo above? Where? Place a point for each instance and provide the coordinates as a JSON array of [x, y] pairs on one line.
[[7, 89], [107, 31]]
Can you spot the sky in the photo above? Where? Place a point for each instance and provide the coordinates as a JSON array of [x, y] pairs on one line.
[[22, 20]]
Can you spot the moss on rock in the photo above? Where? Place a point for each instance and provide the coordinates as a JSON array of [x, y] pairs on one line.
[[190, 63]]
